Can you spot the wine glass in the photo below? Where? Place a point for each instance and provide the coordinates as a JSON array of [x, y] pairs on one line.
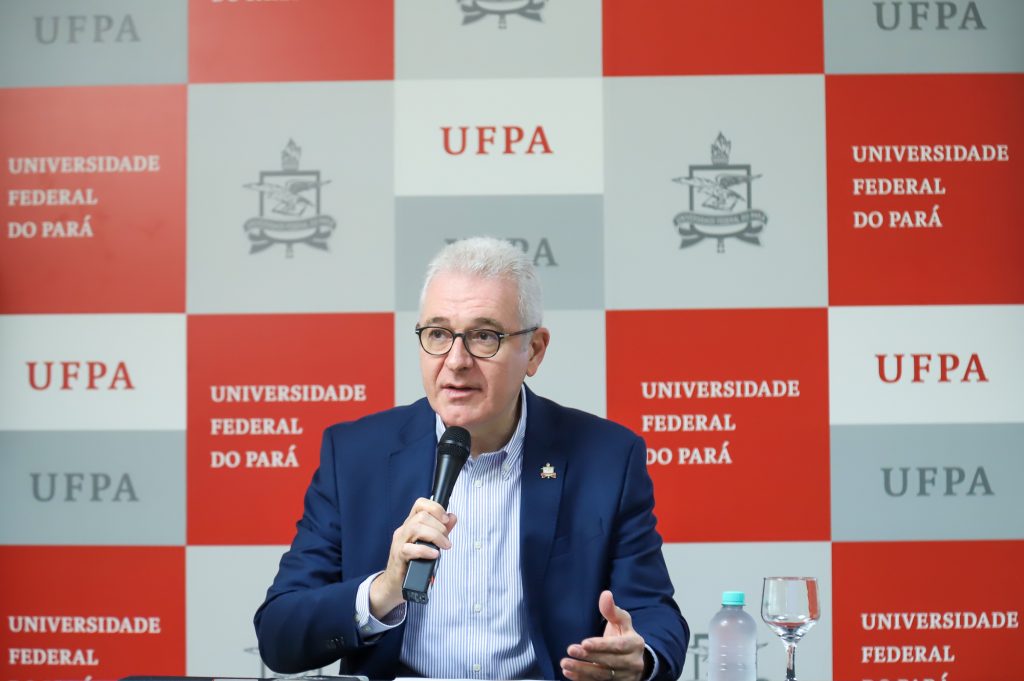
[[790, 607]]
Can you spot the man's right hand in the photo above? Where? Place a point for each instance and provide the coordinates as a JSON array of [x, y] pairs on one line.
[[427, 521]]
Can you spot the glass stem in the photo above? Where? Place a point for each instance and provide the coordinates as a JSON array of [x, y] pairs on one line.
[[790, 661]]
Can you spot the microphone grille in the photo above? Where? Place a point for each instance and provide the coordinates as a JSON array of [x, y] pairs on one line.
[[455, 436]]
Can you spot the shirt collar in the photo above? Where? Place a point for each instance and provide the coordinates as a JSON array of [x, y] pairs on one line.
[[513, 449]]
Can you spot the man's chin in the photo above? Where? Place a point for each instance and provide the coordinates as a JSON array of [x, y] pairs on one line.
[[460, 415]]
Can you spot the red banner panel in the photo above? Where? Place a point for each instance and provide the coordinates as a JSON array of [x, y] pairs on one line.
[[733, 405], [668, 37], [923, 175], [233, 41], [261, 389], [80, 612], [93, 188], [928, 610]]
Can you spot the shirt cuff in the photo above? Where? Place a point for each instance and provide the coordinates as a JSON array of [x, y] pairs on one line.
[[368, 625], [657, 664]]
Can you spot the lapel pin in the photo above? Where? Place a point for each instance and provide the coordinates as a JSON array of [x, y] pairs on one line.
[[547, 472]]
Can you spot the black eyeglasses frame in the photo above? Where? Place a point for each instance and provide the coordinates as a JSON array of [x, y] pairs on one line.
[[500, 334]]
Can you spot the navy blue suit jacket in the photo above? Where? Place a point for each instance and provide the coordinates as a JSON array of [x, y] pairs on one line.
[[590, 529]]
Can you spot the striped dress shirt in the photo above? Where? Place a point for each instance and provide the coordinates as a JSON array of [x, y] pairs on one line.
[[475, 625]]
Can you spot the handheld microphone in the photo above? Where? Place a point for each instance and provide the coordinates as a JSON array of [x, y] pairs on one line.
[[452, 452]]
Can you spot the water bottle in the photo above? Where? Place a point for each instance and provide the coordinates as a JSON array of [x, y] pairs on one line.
[[732, 638]]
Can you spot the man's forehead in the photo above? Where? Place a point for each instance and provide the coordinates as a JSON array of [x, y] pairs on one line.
[[472, 279], [470, 301], [475, 322]]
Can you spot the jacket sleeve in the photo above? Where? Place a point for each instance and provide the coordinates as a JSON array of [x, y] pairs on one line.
[[307, 620], [639, 577]]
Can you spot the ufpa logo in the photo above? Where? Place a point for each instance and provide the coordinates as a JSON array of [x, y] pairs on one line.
[[475, 10], [289, 207], [723, 191]]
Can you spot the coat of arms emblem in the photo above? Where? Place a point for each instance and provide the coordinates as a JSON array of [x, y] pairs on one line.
[[723, 190], [475, 10], [289, 208]]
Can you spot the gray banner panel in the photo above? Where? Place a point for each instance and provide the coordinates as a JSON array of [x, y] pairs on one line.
[[927, 482], [561, 234], [93, 42], [99, 488], [290, 197], [715, 192], [981, 36]]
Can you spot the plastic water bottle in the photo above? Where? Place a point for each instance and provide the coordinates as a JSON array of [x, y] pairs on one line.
[[733, 641]]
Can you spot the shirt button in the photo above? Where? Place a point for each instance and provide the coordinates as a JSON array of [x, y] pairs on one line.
[[478, 545], [478, 483], [476, 668], [477, 607]]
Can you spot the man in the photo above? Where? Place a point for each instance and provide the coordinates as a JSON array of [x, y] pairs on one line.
[[549, 528]]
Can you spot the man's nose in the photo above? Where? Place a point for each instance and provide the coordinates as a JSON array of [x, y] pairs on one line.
[[458, 357]]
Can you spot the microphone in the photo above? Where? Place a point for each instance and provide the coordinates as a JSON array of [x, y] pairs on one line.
[[452, 452]]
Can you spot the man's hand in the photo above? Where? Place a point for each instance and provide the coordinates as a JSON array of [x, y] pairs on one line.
[[618, 654], [427, 521]]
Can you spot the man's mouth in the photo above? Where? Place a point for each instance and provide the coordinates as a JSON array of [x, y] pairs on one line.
[[458, 389]]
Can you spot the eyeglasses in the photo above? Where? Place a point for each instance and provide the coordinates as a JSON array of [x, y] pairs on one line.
[[481, 343]]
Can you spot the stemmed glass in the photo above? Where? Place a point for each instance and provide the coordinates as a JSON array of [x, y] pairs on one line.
[[790, 607]]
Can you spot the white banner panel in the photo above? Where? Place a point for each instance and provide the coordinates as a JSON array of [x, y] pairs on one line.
[[498, 137], [92, 372], [701, 571], [225, 585], [935, 364]]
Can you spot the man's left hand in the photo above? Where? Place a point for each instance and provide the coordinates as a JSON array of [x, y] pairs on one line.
[[618, 655]]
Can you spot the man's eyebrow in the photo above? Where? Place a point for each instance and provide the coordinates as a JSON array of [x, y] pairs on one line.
[[488, 322], [479, 322]]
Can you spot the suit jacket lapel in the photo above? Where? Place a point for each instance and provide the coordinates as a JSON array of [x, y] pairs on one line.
[[411, 467], [410, 473], [538, 513]]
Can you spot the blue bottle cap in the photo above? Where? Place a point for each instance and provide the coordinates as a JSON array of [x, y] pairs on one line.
[[732, 598]]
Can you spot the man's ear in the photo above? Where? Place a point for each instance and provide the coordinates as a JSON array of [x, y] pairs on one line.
[[539, 340]]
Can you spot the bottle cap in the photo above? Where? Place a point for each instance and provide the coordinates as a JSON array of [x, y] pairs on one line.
[[732, 598]]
